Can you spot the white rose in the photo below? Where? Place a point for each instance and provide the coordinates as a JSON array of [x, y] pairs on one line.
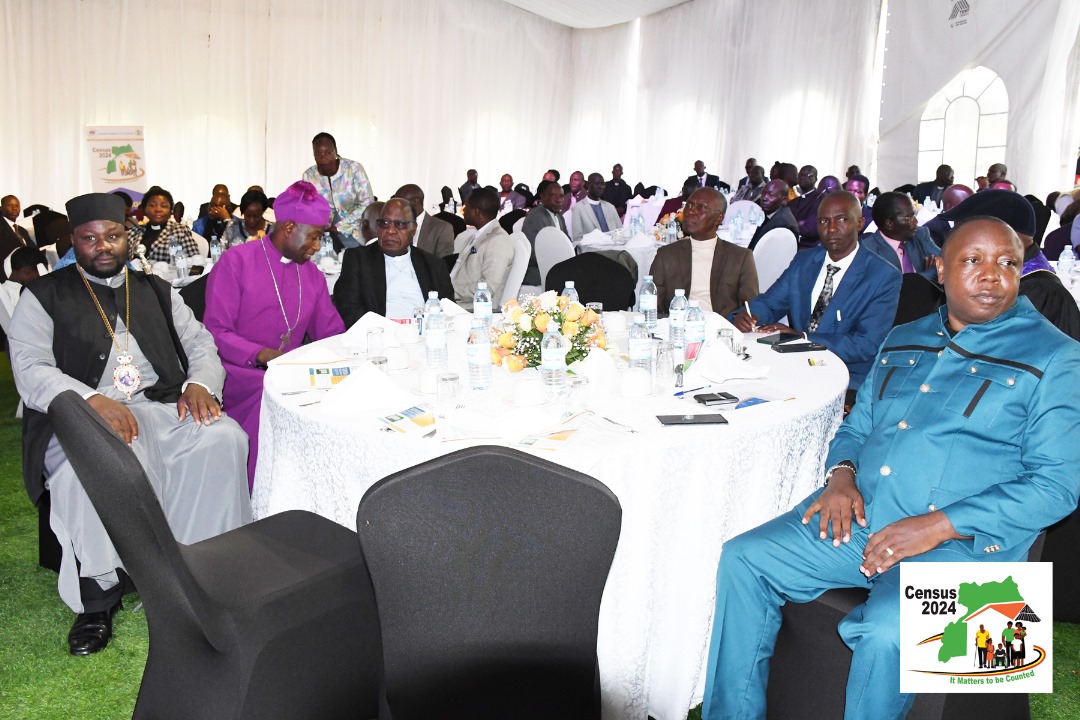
[[549, 301], [525, 322]]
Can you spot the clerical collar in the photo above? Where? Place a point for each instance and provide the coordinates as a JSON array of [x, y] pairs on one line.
[[152, 226], [114, 282], [403, 258], [592, 202]]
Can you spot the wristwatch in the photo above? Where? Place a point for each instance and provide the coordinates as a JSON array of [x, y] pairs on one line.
[[842, 464]]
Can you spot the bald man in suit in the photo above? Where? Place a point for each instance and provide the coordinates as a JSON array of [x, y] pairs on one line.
[[432, 235]]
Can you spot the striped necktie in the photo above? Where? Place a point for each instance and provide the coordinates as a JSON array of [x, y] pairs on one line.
[[823, 299]]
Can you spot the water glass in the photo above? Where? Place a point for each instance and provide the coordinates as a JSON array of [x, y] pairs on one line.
[[375, 345], [447, 392], [354, 353], [727, 338], [665, 362], [379, 361], [577, 396]]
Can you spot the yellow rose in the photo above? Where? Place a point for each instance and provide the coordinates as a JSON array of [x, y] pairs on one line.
[[515, 313], [563, 302], [496, 356], [525, 323], [515, 363], [574, 312], [589, 318], [506, 340], [601, 342], [570, 328], [503, 352], [542, 321]]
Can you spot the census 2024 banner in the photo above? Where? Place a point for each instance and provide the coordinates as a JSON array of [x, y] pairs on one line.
[[117, 158], [979, 627]]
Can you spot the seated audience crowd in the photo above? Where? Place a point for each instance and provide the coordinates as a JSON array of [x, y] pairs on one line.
[[125, 340]]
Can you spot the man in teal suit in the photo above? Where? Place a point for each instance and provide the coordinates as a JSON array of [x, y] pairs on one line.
[[836, 294], [953, 453]]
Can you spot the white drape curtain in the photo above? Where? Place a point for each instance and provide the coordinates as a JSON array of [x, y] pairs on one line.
[[1031, 45]]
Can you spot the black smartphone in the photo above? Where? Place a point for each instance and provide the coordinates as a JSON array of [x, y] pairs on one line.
[[798, 347], [706, 419], [780, 338], [722, 398]]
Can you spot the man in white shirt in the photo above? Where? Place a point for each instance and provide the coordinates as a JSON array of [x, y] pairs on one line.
[[488, 256], [594, 213]]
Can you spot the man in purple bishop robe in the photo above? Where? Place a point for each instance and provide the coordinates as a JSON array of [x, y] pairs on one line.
[[263, 297]]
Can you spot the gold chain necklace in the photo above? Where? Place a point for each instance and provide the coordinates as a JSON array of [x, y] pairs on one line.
[[126, 376]]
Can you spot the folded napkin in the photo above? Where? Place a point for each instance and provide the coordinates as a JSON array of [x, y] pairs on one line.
[[357, 334], [596, 237], [314, 354], [599, 367], [452, 309], [717, 364], [367, 391]]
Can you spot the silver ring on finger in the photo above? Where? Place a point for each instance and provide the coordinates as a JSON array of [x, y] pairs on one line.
[[889, 551]]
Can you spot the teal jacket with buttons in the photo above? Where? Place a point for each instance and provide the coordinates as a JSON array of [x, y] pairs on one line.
[[982, 426]]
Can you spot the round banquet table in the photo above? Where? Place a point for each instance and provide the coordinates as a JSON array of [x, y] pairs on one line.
[[684, 490]]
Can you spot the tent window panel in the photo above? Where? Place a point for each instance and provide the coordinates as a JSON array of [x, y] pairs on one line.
[[928, 163], [992, 130], [995, 99], [932, 135]]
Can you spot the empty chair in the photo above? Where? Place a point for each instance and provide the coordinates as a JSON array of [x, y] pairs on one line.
[[488, 566], [552, 246], [455, 221], [596, 279], [772, 255], [202, 243], [275, 619], [514, 278], [194, 296]]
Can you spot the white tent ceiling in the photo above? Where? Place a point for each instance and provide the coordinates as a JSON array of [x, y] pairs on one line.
[[593, 13]]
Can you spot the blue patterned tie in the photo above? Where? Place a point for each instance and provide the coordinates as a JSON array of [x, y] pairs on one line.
[[823, 299]]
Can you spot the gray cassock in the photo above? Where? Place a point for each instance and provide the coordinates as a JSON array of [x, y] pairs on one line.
[[197, 472]]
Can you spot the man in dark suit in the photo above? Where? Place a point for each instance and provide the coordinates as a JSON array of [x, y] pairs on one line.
[[12, 236], [933, 189], [702, 179], [716, 273], [751, 163], [774, 200], [837, 295], [469, 185], [938, 227], [804, 207], [899, 240], [389, 277], [617, 191], [432, 235], [547, 213]]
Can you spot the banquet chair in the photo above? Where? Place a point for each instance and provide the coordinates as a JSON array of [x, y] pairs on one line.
[[552, 246], [488, 566], [518, 268], [462, 239], [809, 667], [519, 223], [455, 221], [772, 255], [275, 619], [596, 279], [202, 243]]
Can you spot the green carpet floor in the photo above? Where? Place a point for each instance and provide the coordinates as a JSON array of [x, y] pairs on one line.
[[40, 681]]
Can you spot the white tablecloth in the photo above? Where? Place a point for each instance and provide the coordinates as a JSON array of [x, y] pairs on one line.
[[683, 490]]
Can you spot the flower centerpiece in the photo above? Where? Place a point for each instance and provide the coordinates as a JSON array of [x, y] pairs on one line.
[[661, 224], [517, 342]]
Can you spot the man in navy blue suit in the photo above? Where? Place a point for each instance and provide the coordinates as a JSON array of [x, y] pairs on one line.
[[899, 240], [837, 295]]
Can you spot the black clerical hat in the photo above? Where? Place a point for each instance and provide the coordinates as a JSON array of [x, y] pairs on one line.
[[95, 206], [1009, 207]]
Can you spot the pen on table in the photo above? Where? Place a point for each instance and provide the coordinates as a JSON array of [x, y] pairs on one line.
[[687, 392]]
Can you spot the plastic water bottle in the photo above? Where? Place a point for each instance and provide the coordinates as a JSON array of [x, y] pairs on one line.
[[637, 223], [174, 249], [326, 247], [570, 292], [435, 340], [677, 325], [1066, 261], [695, 324], [215, 249], [647, 302], [432, 305], [640, 344], [481, 305], [672, 229], [479, 355], [180, 261], [553, 361]]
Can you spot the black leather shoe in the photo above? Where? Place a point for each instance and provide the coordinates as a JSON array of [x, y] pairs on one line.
[[90, 632]]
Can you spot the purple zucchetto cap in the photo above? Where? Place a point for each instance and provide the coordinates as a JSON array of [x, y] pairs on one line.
[[301, 203]]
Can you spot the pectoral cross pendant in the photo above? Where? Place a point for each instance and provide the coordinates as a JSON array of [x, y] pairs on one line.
[[285, 339]]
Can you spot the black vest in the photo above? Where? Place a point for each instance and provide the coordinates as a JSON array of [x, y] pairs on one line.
[[82, 346]]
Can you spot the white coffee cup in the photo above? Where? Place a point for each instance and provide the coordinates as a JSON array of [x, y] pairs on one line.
[[396, 358]]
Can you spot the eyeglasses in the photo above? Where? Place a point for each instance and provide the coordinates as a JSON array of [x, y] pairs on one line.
[[383, 223]]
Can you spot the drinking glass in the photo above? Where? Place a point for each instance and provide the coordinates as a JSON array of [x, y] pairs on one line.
[[727, 338], [447, 392], [375, 345], [665, 362], [577, 396]]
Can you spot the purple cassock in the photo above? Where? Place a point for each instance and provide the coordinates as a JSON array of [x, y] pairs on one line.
[[244, 316]]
